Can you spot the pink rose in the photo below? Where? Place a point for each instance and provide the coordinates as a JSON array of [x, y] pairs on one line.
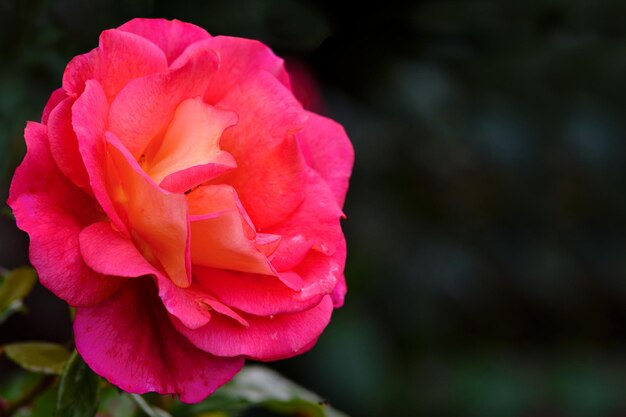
[[179, 196]]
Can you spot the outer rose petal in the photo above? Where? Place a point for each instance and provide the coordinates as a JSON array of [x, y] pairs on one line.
[[339, 293], [119, 58], [266, 338], [64, 144], [89, 114], [125, 56], [314, 224], [271, 169], [172, 36], [328, 150], [53, 212], [78, 71], [129, 340], [56, 97], [241, 59], [340, 290]]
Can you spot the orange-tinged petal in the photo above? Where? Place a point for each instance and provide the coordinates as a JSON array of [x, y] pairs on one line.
[[191, 139], [157, 219], [219, 241], [142, 110]]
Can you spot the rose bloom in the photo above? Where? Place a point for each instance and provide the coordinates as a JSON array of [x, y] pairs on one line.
[[180, 197]]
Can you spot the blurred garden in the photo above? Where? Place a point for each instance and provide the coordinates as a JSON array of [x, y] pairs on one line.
[[486, 219]]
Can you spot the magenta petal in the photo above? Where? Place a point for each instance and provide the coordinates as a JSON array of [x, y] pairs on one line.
[[129, 341], [340, 290], [328, 151], [106, 251], [314, 224], [45, 205], [89, 115], [80, 69], [172, 36], [270, 181], [64, 145], [56, 97], [263, 295], [339, 293], [100, 245], [267, 338], [187, 304], [241, 59], [124, 56]]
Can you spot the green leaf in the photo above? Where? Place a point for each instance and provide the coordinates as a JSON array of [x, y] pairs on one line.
[[47, 358], [17, 383], [16, 306], [258, 386], [16, 285], [45, 403], [78, 391]]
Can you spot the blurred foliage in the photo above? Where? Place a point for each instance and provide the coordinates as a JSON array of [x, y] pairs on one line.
[[486, 217], [14, 287], [47, 358], [78, 392]]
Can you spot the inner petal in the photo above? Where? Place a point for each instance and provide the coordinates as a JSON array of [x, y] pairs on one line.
[[192, 139], [157, 219], [222, 235]]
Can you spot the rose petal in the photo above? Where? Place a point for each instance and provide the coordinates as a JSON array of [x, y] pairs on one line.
[[223, 236], [56, 97], [64, 145], [100, 244], [271, 169], [80, 69], [192, 139], [120, 57], [241, 59], [53, 212], [340, 290], [124, 56], [314, 224], [186, 304], [108, 252], [328, 151], [145, 106], [263, 295], [339, 293], [172, 36], [157, 219], [129, 341], [267, 243], [266, 338], [219, 241], [89, 114], [186, 179]]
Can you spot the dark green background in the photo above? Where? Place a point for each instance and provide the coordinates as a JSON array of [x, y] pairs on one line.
[[486, 215]]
